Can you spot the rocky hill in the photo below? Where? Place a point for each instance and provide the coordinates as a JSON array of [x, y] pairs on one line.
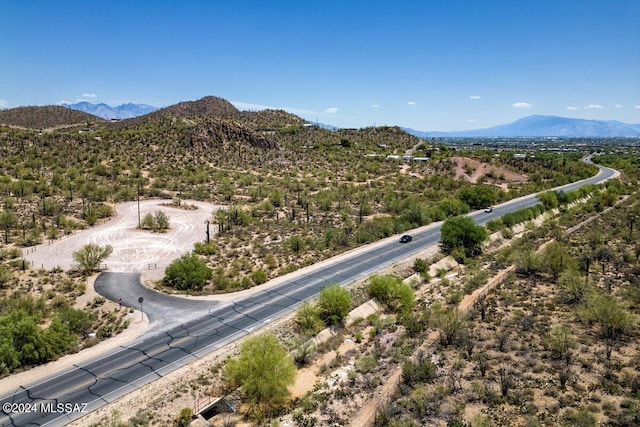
[[213, 133], [213, 123], [46, 117], [209, 106]]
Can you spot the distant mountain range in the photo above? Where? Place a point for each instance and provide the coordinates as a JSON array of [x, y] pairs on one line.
[[537, 126], [544, 126], [124, 111]]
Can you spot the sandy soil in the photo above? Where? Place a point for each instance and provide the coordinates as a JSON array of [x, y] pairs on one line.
[[134, 250], [481, 169]]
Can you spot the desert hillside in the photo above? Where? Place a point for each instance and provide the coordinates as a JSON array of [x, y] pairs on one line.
[[48, 117]]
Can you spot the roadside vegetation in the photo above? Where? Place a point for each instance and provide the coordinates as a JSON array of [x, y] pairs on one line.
[[310, 194], [553, 342], [294, 195]]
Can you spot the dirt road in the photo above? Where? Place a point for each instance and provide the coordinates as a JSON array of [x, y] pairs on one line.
[[134, 250]]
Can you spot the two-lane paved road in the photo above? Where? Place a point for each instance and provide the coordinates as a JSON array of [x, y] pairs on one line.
[[97, 382]]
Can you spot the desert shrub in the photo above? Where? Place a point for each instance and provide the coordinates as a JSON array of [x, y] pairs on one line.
[[390, 291], [449, 321], [581, 418], [308, 319], [158, 222], [202, 248], [188, 272], [476, 279], [259, 276], [494, 225], [421, 371], [185, 417], [366, 364]]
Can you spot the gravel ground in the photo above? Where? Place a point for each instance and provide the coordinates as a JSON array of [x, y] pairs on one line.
[[134, 250]]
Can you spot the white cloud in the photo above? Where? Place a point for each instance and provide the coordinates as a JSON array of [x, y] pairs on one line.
[[412, 103], [254, 107], [572, 108], [471, 120], [4, 103], [618, 106], [594, 107], [637, 107], [375, 106], [521, 105], [332, 110], [474, 97], [89, 95]]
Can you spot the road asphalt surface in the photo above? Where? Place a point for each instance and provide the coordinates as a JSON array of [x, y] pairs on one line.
[[188, 329]]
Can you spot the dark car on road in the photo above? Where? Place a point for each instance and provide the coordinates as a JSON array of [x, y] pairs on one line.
[[406, 238]]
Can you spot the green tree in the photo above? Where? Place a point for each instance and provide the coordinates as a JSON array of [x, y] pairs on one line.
[[556, 258], [573, 287], [20, 331], [188, 272], [78, 321], [264, 370], [334, 304], [9, 358], [478, 196], [453, 207], [147, 222], [7, 220], [560, 343], [89, 257], [549, 199], [462, 232], [390, 291], [609, 314], [59, 338], [155, 222], [416, 215], [161, 221]]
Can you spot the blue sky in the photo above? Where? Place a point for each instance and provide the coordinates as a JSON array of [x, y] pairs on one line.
[[429, 65]]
